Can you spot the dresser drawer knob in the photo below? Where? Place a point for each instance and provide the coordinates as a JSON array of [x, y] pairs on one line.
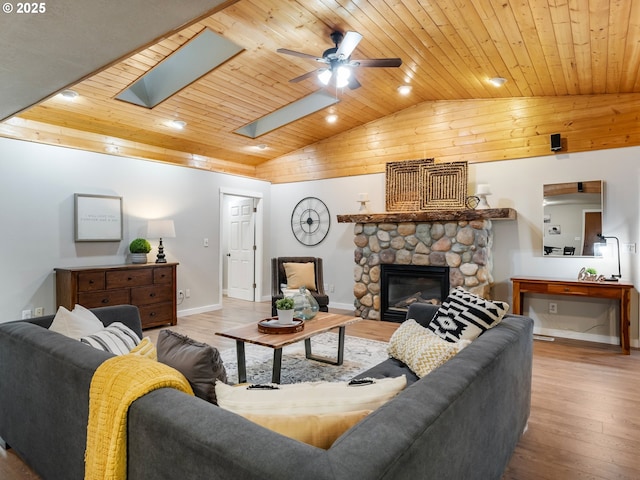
[[567, 289], [152, 295], [105, 300], [152, 314], [91, 282], [129, 279]]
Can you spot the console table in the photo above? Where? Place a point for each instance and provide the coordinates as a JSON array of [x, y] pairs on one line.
[[620, 291]]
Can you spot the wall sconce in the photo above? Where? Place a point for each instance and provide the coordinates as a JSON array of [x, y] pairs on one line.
[[613, 278], [161, 229]]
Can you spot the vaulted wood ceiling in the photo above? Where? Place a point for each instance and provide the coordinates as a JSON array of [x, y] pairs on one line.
[[449, 48]]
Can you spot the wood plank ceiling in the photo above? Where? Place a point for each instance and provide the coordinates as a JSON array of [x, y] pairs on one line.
[[450, 49]]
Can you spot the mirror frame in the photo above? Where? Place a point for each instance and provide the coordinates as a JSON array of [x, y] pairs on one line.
[[571, 191]]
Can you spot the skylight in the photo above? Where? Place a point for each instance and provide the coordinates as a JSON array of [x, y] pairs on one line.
[[196, 58], [287, 114]]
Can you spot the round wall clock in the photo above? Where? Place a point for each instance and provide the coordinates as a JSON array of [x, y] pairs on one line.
[[310, 221]]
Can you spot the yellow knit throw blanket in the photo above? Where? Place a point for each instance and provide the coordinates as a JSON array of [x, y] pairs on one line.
[[115, 385]]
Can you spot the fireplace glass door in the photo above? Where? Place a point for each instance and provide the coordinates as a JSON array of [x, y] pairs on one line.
[[402, 285]]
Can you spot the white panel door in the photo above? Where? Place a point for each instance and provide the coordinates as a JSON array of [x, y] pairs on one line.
[[241, 249]]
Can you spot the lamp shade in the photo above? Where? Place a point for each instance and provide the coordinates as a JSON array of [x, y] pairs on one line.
[[161, 229]]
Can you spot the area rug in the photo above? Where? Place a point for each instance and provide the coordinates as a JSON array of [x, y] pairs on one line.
[[359, 355]]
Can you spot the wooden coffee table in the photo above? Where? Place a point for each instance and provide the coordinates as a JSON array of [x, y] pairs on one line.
[[322, 322]]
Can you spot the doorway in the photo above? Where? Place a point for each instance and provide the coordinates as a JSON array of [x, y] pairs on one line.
[[241, 244]]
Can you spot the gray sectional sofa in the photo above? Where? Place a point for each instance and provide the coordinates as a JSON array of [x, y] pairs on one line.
[[462, 421]]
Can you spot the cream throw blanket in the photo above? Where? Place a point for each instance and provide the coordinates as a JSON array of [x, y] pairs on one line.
[[115, 385]]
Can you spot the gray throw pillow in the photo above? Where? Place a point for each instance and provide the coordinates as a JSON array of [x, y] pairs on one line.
[[200, 363]]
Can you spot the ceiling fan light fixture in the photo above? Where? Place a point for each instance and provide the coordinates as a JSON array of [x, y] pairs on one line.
[[498, 81], [342, 77], [331, 118], [324, 76], [404, 89], [178, 124]]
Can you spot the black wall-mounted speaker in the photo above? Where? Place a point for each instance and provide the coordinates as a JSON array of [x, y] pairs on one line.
[[556, 142]]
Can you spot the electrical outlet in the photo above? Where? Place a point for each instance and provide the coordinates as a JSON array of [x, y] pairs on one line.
[[180, 293], [187, 293], [205, 242], [39, 311], [629, 247], [26, 314], [553, 307]]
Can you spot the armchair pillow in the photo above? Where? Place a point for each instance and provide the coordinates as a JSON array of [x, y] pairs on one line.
[[300, 275]]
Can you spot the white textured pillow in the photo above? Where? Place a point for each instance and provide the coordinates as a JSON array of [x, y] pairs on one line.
[[421, 349], [117, 338], [309, 397], [465, 316], [75, 324]]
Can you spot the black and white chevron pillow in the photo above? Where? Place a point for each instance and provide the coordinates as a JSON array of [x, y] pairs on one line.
[[465, 316]]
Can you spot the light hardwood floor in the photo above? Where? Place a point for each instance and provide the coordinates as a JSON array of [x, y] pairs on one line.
[[585, 415]]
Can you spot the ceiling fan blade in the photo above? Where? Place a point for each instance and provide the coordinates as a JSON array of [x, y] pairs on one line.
[[376, 62], [348, 44], [286, 51], [304, 76]]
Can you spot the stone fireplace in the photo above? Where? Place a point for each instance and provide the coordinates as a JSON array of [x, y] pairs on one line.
[[461, 241]]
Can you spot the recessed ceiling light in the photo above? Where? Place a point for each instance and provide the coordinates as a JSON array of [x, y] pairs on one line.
[[497, 81], [262, 146], [178, 124], [69, 94], [404, 89], [333, 118]]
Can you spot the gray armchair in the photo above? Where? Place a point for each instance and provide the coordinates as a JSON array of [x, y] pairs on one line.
[[279, 277]]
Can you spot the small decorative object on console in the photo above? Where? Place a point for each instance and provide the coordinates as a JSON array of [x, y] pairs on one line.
[[589, 275], [139, 249]]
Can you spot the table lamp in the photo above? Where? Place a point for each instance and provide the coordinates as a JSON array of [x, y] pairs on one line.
[[161, 229], [613, 278]]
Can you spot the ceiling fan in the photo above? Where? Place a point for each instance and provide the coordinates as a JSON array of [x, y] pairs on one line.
[[339, 63]]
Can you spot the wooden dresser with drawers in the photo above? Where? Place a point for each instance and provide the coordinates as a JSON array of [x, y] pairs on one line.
[[151, 287]]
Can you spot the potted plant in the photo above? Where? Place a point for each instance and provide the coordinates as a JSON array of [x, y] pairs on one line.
[[139, 249], [284, 306]]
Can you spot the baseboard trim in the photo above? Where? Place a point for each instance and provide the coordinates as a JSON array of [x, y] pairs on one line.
[[203, 309]]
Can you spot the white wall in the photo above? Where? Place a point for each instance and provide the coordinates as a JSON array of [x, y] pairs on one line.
[[517, 244], [37, 183]]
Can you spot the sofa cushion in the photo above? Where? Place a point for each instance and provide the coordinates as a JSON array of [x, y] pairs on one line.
[[77, 323], [319, 430], [117, 338], [421, 349], [309, 397], [199, 362], [465, 316], [300, 275]]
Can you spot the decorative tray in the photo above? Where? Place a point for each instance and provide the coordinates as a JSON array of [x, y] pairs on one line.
[[271, 325]]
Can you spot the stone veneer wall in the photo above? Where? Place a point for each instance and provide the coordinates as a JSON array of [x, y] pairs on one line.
[[464, 246]]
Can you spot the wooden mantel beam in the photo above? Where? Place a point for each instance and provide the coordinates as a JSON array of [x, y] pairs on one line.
[[435, 216]]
